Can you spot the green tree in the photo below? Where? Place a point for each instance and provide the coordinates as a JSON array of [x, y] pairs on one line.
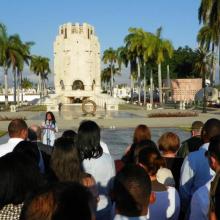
[[40, 66], [110, 56], [107, 73], [208, 37], [203, 67], [181, 63], [128, 58], [162, 49], [134, 43], [209, 15], [9, 55], [27, 84]]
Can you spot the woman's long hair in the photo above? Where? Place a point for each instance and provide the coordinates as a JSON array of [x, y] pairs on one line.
[[65, 161], [53, 120], [151, 159], [88, 140]]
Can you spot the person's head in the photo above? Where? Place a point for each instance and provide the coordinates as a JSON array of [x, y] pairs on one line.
[[70, 134], [50, 117], [169, 143], [65, 161], [210, 129], [213, 153], [88, 140], [196, 128], [34, 133], [29, 149], [66, 201], [151, 160], [19, 176], [18, 128], [132, 191], [141, 133], [141, 145]]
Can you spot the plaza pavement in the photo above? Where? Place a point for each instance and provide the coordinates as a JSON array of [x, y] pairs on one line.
[[130, 118]]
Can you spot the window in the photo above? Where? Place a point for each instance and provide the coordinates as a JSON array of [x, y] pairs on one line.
[[65, 34], [78, 85], [88, 34], [62, 85]]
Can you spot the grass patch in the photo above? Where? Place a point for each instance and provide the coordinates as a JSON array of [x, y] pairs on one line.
[[173, 114], [2, 133], [6, 118], [187, 129], [34, 108], [129, 107]]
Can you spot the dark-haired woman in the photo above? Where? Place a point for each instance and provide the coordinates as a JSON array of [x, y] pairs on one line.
[[49, 127], [19, 176], [141, 133], [66, 165], [99, 164]]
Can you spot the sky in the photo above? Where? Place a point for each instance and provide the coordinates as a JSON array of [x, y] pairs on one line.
[[38, 20]]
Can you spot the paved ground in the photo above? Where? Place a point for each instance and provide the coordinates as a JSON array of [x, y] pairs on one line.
[[71, 118]]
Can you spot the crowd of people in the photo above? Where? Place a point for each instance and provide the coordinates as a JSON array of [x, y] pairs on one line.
[[75, 177]]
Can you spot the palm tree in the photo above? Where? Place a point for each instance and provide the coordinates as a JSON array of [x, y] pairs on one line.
[[110, 56], [209, 15], [108, 74], [128, 58], [9, 55], [207, 37], [26, 57], [40, 66], [203, 66], [134, 42], [162, 48]]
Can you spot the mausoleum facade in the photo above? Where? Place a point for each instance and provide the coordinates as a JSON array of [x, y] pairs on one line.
[[76, 62]]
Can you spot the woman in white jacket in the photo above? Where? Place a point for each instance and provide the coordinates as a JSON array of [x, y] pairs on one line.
[[49, 128]]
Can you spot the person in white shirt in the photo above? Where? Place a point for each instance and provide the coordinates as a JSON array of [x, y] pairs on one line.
[[17, 131], [167, 204], [200, 203], [195, 171], [97, 163], [49, 127], [199, 206], [132, 193]]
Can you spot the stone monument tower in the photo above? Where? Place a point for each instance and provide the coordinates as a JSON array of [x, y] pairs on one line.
[[76, 62]]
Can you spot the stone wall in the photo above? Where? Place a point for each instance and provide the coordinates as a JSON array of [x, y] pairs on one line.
[[185, 89]]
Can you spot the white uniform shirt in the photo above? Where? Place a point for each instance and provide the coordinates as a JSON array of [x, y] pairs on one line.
[[9, 146]]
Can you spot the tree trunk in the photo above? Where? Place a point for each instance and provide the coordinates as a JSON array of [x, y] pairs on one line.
[[204, 93], [151, 88], [15, 86], [22, 95], [18, 87], [111, 82], [168, 83], [6, 85], [139, 80], [132, 88], [212, 75], [160, 84], [168, 76], [145, 72], [219, 59], [40, 88]]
